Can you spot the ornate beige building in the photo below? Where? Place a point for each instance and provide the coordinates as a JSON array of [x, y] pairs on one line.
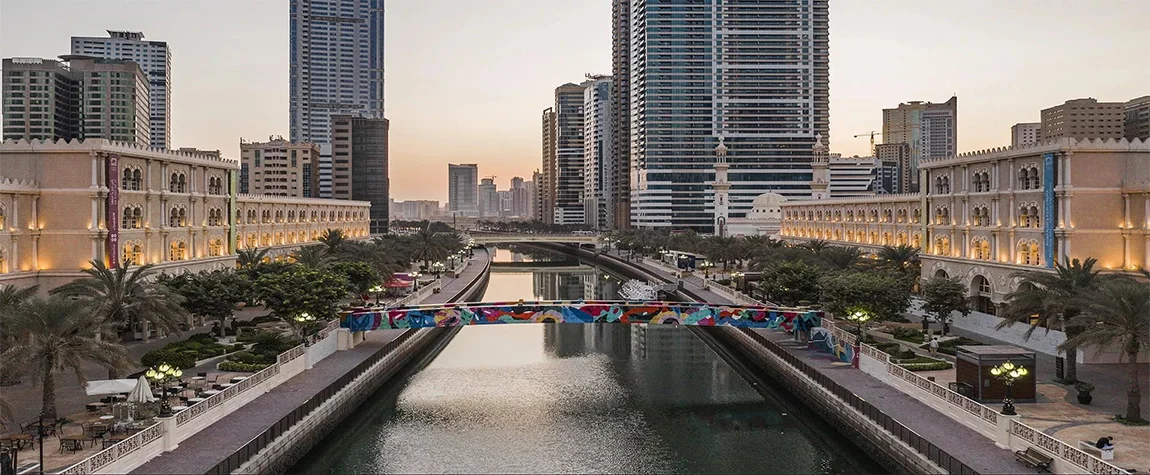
[[982, 216], [63, 204]]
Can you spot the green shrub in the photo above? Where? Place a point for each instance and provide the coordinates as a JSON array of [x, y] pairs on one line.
[[241, 367], [947, 347], [264, 319], [907, 354], [936, 366], [724, 281], [889, 348], [239, 347], [908, 334], [204, 338], [178, 359]]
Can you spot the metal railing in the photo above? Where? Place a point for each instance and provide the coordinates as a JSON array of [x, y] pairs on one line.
[[121, 449], [905, 434], [253, 447]]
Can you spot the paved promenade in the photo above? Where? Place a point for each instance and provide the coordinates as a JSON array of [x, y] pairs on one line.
[[202, 451], [970, 447]]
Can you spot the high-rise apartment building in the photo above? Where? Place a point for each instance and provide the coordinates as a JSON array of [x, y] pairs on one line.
[[336, 55], [278, 168], [463, 189], [488, 198], [569, 154], [929, 129], [359, 164], [537, 196], [1025, 134], [598, 153], [1137, 119], [621, 168], [1084, 119], [520, 197], [546, 207], [756, 73], [42, 99], [894, 163], [852, 177], [154, 59]]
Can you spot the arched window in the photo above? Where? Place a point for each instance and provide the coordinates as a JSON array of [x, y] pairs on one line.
[[1034, 257], [126, 182], [215, 247], [174, 182], [280, 238], [182, 184], [177, 251], [917, 215], [266, 240], [942, 246], [900, 239], [886, 216], [173, 217], [886, 239], [1034, 218], [252, 240], [982, 290], [183, 217], [3, 260], [916, 241], [1035, 181]]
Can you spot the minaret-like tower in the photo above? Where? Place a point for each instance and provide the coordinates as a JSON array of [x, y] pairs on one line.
[[722, 187], [820, 171]]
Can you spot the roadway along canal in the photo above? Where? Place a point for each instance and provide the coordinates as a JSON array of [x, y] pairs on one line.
[[570, 398]]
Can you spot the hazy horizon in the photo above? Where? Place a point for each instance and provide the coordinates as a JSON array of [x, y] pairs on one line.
[[466, 80]]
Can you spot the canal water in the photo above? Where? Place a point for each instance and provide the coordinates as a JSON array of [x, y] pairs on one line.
[[569, 398]]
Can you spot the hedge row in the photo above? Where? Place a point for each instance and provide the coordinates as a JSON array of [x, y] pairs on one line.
[[241, 367]]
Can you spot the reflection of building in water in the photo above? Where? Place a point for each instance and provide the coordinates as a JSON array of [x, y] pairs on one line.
[[576, 339], [612, 339], [560, 286], [681, 370], [565, 340]]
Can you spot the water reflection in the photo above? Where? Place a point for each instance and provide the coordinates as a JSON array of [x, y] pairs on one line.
[[568, 398]]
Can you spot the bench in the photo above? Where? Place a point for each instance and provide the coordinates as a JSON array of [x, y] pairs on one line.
[[1034, 459], [1090, 448]]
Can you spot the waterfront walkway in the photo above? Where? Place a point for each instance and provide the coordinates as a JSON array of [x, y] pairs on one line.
[[972, 448], [207, 448]]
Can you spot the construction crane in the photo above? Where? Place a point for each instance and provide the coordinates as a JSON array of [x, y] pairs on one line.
[[871, 134]]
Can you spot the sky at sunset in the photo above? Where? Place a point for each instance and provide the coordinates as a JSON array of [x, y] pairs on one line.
[[468, 79]]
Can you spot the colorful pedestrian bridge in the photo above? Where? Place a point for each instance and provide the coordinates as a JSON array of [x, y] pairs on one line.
[[581, 311]]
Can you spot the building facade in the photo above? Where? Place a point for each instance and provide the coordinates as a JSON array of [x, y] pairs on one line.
[[488, 198], [154, 59], [756, 73], [569, 161], [852, 177], [1025, 134], [895, 162], [360, 164], [1084, 119], [1137, 119], [930, 130], [520, 197], [621, 168], [336, 54], [546, 208], [41, 98], [64, 204], [598, 153], [989, 214], [463, 189], [278, 168], [538, 200]]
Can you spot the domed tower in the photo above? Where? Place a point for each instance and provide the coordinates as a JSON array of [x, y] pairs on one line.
[[820, 171], [722, 187]]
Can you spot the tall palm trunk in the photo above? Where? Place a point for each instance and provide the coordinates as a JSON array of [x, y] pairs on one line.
[[1071, 374], [1133, 392], [48, 403]]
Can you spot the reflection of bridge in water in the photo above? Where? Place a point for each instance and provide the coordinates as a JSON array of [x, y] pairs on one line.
[[590, 311]]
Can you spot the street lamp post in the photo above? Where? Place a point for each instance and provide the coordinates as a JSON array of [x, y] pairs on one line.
[[1009, 373], [161, 375], [860, 317], [302, 320], [376, 290], [706, 265]]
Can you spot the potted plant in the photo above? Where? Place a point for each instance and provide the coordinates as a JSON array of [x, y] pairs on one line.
[[1084, 389]]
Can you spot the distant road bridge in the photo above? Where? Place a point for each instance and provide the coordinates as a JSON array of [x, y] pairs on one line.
[[590, 311], [507, 238]]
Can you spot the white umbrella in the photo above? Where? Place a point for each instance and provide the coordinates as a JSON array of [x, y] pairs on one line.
[[109, 386], [142, 392]]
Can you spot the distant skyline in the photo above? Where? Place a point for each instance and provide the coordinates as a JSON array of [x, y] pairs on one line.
[[466, 80]]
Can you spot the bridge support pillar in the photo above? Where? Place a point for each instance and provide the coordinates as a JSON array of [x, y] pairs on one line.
[[343, 339], [1003, 430]]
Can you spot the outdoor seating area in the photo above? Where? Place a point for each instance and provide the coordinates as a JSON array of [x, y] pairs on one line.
[[111, 417]]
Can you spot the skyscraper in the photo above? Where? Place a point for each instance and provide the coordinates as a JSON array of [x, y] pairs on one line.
[[537, 199], [756, 73], [545, 208], [1084, 119], [336, 54], [55, 102], [621, 112], [114, 102], [359, 164], [569, 154], [278, 167], [1025, 134], [929, 130], [520, 197], [598, 152], [894, 160], [462, 189], [154, 59], [488, 198], [1137, 120]]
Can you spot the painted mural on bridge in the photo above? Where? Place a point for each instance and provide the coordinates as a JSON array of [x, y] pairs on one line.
[[823, 339], [652, 313]]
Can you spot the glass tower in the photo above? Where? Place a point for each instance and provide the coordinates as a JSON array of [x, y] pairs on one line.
[[752, 71], [336, 69]]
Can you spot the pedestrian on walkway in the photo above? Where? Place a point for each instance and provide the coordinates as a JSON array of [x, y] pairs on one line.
[[934, 346]]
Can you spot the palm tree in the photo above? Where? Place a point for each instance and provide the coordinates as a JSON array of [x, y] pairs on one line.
[[903, 258], [313, 256], [1117, 315], [1056, 298], [62, 335], [12, 296], [840, 257], [119, 298], [333, 239], [816, 245], [250, 259], [427, 247]]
